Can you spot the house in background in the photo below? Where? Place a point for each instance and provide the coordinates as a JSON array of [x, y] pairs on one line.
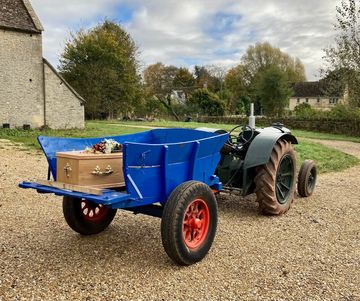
[[179, 96], [316, 95], [32, 93]]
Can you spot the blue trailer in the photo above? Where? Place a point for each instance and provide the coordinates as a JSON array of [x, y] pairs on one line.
[[174, 173], [168, 173]]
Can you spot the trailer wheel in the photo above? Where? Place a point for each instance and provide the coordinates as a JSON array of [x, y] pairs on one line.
[[189, 222], [307, 178], [275, 181], [86, 217]]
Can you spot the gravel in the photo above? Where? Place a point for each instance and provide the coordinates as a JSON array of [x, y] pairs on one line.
[[310, 253]]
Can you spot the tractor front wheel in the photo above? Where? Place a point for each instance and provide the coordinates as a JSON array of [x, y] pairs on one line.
[[188, 223], [307, 178], [86, 217], [275, 181]]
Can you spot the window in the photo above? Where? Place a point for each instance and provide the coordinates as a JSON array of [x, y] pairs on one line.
[[307, 99], [318, 99], [333, 100], [298, 100]]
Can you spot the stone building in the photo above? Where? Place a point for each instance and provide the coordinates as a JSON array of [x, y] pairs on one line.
[[32, 93], [316, 95]]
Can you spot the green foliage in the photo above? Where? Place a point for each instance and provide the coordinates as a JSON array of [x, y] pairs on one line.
[[338, 112], [344, 56], [261, 56], [184, 80], [150, 107], [205, 78], [101, 65], [274, 91], [159, 83], [246, 81], [304, 110], [159, 79], [207, 103], [344, 112]]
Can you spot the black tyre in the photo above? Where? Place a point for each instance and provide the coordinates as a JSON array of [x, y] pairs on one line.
[[275, 181], [86, 217], [189, 222], [307, 178]]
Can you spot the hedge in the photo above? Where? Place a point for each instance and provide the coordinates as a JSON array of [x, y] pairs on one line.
[[333, 126]]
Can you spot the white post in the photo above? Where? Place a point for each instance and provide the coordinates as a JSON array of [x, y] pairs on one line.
[[252, 117]]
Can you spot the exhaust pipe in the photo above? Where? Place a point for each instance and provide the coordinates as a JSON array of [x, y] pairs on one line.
[[252, 117]]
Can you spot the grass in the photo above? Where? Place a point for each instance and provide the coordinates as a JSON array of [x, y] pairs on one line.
[[28, 138], [171, 124], [327, 159]]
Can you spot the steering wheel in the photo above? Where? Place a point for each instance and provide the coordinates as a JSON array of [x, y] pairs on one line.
[[234, 140]]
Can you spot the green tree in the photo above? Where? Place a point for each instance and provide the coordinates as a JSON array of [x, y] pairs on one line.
[[184, 80], [343, 58], [205, 102], [205, 78], [159, 82], [237, 87], [243, 81], [101, 64], [274, 91], [261, 56]]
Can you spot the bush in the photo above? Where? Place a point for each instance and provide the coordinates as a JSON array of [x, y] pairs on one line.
[[304, 110], [341, 111], [204, 102]]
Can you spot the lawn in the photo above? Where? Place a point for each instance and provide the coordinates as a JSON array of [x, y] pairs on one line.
[[327, 159], [166, 123], [28, 138]]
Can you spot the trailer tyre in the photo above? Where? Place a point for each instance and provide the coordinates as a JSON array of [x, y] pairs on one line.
[[275, 181], [307, 178], [86, 217], [189, 222]]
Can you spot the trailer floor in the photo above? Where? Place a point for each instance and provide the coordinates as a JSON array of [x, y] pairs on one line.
[[310, 253]]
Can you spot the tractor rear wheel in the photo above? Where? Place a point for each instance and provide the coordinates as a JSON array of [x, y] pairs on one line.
[[86, 217], [307, 178], [188, 223], [275, 181]]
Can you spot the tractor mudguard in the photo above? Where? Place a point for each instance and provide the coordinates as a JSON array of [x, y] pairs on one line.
[[259, 153]]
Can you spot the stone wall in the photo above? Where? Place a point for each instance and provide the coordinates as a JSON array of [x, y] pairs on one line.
[[321, 103], [64, 108], [344, 127], [21, 79]]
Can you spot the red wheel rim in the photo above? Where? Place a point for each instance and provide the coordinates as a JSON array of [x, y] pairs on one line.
[[93, 212], [196, 223]]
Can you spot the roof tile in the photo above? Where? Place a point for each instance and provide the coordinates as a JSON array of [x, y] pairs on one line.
[[14, 15]]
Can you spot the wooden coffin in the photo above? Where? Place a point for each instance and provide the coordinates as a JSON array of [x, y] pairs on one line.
[[87, 169]]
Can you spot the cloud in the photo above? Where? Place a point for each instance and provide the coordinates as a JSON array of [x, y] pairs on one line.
[[192, 32]]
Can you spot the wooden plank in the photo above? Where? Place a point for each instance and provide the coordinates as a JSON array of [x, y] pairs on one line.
[[84, 189]]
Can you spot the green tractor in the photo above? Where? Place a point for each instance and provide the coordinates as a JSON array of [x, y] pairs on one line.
[[264, 161]]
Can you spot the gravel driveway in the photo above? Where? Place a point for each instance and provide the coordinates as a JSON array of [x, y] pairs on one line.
[[310, 253]]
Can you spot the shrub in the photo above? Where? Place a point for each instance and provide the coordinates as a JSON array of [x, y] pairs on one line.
[[341, 111], [204, 102], [304, 110]]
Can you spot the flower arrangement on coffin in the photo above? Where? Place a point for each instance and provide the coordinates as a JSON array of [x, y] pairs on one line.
[[106, 146]]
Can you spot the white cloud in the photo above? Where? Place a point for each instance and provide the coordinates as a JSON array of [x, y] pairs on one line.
[[192, 32]]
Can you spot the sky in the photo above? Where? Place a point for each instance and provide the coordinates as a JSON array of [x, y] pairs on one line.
[[198, 32]]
